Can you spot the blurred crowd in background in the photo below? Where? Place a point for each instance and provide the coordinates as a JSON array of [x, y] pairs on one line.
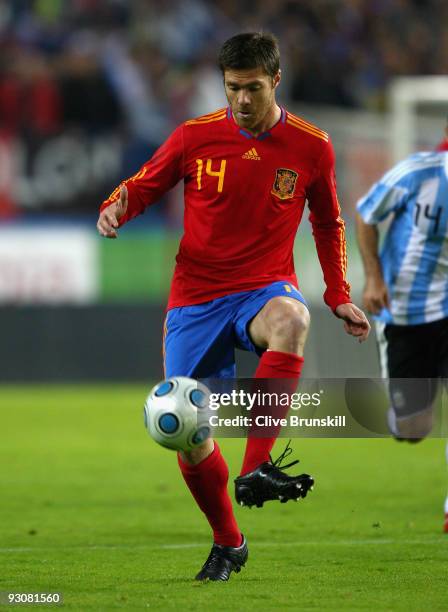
[[90, 88], [145, 65]]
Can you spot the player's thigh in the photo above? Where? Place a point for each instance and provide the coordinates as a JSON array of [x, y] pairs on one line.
[[262, 310], [410, 365], [441, 347], [198, 342], [282, 324]]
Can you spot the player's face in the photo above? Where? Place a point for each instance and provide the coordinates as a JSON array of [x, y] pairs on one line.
[[251, 95]]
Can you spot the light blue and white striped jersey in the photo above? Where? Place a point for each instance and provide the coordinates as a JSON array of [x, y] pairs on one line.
[[414, 254]]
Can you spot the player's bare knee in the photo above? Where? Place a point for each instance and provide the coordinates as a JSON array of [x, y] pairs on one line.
[[416, 427], [198, 454], [287, 320]]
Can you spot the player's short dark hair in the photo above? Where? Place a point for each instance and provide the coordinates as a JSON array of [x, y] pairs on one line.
[[250, 50]]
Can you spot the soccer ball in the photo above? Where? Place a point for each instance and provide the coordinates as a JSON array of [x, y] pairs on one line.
[[176, 413]]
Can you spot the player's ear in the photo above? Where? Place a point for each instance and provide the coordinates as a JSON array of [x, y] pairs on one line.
[[277, 79]]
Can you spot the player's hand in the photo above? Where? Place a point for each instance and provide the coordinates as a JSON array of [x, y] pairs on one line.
[[375, 295], [355, 321], [108, 220]]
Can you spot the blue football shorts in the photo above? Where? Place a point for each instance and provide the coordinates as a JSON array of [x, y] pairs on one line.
[[200, 340]]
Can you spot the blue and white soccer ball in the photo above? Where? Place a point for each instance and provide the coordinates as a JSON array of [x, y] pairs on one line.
[[176, 413]]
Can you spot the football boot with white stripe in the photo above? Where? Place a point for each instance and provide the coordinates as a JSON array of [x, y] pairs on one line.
[[222, 561]]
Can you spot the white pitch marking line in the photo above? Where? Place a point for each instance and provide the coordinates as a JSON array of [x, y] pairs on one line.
[[383, 541]]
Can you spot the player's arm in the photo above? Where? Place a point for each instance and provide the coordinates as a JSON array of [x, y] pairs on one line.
[[329, 235], [146, 187], [375, 294], [386, 196]]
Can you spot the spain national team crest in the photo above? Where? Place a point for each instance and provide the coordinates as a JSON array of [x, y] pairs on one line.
[[285, 183]]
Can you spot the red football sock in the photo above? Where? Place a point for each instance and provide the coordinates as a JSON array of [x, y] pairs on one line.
[[207, 482], [273, 364]]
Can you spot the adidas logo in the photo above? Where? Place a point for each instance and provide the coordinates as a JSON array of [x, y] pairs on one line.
[[251, 154]]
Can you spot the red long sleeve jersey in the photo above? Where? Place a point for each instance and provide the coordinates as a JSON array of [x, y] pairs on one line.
[[244, 199]]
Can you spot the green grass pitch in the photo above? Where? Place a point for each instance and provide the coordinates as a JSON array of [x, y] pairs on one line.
[[92, 507]]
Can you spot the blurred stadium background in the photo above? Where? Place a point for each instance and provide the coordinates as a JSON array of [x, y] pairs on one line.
[[90, 88]]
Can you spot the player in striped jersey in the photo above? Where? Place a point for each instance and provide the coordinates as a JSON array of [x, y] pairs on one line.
[[248, 172], [407, 285]]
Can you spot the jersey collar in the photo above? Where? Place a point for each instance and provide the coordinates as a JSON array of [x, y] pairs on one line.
[[247, 134]]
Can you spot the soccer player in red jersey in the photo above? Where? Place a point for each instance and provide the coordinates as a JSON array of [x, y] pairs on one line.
[[248, 171]]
